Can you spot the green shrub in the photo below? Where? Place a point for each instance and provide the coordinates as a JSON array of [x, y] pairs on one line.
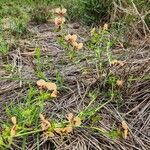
[[86, 11], [96, 11], [41, 14]]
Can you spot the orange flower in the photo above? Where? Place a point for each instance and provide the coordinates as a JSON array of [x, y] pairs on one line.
[[126, 129], [59, 21], [117, 62], [14, 121], [120, 83], [75, 121], [52, 87], [75, 44], [60, 12], [58, 130], [54, 93], [13, 129], [78, 46], [70, 117], [67, 129], [48, 134], [41, 84], [49, 86], [71, 38], [45, 124]]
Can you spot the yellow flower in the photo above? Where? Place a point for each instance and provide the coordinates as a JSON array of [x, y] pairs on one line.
[[50, 134], [51, 86], [47, 134], [70, 117], [45, 125], [67, 129]]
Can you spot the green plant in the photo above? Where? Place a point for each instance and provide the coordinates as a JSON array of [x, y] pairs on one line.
[[87, 11], [59, 79], [100, 43], [4, 48], [114, 134], [69, 50], [41, 14], [39, 65], [14, 18], [96, 11], [27, 117], [5, 138], [8, 68]]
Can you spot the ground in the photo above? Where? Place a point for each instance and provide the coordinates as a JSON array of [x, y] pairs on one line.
[[83, 91]]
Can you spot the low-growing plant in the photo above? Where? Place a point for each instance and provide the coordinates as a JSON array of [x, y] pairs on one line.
[[59, 79], [100, 43], [96, 11], [4, 47], [18, 27], [39, 65]]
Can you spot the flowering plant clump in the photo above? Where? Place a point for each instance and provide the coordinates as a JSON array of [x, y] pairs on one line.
[[45, 125], [59, 19], [72, 40], [50, 131], [72, 122], [48, 86]]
